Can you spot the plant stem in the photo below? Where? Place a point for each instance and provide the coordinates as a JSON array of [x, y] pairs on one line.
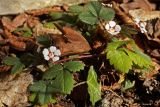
[[78, 57], [81, 83]]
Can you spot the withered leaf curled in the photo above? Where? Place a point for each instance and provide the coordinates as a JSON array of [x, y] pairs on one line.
[[75, 43]]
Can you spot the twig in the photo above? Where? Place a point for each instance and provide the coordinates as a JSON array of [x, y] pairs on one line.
[[78, 57]]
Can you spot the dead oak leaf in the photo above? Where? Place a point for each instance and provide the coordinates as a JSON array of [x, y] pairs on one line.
[[17, 21], [138, 4], [75, 43]]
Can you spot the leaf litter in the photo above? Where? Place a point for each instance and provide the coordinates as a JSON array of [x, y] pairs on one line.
[[121, 64]]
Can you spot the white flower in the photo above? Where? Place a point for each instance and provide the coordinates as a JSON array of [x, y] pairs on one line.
[[113, 28], [52, 53], [141, 25]]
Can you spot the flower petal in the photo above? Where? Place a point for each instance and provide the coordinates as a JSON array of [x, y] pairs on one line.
[[112, 23], [52, 48], [57, 52], [46, 58], [45, 51], [107, 26], [55, 58], [117, 28]]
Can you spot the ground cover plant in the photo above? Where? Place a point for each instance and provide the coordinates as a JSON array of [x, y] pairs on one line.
[[96, 54]]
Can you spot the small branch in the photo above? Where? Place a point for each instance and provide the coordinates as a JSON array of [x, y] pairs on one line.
[[81, 83], [78, 57]]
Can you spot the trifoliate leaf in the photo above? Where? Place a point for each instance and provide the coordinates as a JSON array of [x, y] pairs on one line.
[[138, 59], [64, 82], [62, 76], [120, 60], [76, 9], [88, 18], [17, 68], [114, 45], [93, 86], [106, 13], [43, 92], [56, 15], [37, 86], [10, 60], [94, 7], [44, 40], [53, 72], [74, 66], [17, 65]]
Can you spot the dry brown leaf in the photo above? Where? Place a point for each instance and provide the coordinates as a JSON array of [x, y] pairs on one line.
[[76, 42], [122, 15], [13, 90], [141, 4], [45, 11], [32, 21], [144, 15], [7, 23], [19, 20], [18, 45], [40, 30]]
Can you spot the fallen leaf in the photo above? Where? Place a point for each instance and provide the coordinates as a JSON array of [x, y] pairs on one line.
[[44, 11], [138, 4], [75, 43], [7, 23], [144, 15], [17, 21]]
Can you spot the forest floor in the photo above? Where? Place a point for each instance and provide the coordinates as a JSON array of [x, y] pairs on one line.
[[97, 54]]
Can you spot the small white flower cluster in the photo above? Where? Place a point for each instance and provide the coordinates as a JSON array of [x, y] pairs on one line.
[[108, 4], [52, 53], [113, 28], [141, 25]]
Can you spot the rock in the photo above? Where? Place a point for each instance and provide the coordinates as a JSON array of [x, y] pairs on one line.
[[13, 90], [19, 6]]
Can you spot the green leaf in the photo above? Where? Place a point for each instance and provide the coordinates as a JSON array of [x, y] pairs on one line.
[[10, 60], [43, 92], [76, 9], [128, 84], [26, 31], [37, 86], [128, 30], [64, 82], [49, 25], [74, 66], [93, 86], [114, 45], [56, 15], [62, 76], [44, 40], [53, 72], [17, 68], [32, 97], [106, 14], [120, 60], [138, 59], [94, 7], [88, 18]]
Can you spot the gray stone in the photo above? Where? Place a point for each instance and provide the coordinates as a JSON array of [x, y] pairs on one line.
[[18, 6]]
